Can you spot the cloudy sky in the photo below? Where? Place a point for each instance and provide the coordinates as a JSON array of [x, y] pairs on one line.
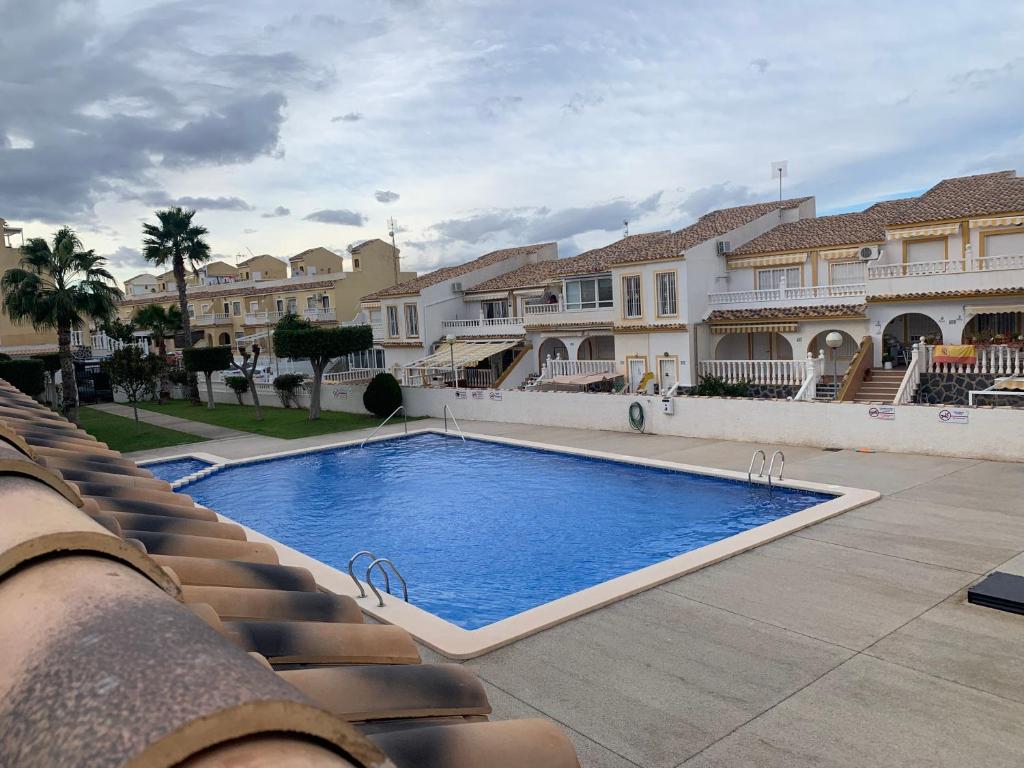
[[478, 125]]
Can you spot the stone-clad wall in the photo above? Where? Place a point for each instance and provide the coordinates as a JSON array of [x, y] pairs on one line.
[[953, 389], [773, 391]]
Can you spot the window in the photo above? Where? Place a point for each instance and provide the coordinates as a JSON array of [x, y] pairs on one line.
[[846, 273], [355, 263], [392, 321], [227, 308], [312, 270], [412, 322], [771, 279], [325, 302], [311, 302], [632, 306], [280, 305], [253, 306], [236, 308], [494, 309], [667, 302], [588, 293], [293, 306]]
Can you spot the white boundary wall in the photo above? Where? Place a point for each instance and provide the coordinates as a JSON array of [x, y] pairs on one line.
[[988, 433]]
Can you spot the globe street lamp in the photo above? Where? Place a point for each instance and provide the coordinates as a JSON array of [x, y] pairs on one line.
[[834, 341], [450, 338]]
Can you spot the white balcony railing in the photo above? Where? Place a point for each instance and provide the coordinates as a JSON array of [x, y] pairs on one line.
[[993, 359], [485, 326], [218, 318], [784, 294], [946, 267], [378, 331], [353, 375], [263, 318], [555, 367], [791, 372], [558, 312], [319, 315], [543, 309]]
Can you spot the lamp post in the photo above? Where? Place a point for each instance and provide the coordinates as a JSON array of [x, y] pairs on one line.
[[834, 341], [450, 338]]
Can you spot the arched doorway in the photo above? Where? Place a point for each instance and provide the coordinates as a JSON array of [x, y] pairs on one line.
[[753, 346], [836, 360], [903, 330], [597, 348], [993, 328], [224, 339], [553, 348]]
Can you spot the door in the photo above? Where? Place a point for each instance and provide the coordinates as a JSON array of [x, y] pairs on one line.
[[760, 346], [637, 370], [666, 373]]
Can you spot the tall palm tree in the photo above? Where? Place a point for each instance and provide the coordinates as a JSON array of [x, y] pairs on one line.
[[163, 323], [178, 241], [60, 286]]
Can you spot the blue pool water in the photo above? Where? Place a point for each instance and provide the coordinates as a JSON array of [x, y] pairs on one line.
[[175, 469], [482, 531]]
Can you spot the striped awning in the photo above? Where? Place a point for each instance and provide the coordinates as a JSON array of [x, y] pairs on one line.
[[492, 296], [935, 230], [993, 309], [754, 328], [839, 253], [777, 260], [464, 353], [998, 221]]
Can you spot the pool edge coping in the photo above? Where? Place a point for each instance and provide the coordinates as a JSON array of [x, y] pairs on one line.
[[457, 643]]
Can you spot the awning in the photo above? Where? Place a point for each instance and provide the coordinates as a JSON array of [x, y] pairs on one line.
[[582, 379], [998, 221], [840, 253], [778, 260], [1010, 384], [463, 353], [933, 231], [754, 328], [491, 296], [994, 309]]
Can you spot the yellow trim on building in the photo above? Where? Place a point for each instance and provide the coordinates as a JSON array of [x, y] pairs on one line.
[[769, 261]]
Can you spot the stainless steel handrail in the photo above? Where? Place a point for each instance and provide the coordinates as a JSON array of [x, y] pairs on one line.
[[380, 426], [771, 465], [750, 469], [380, 562], [351, 571], [446, 413]]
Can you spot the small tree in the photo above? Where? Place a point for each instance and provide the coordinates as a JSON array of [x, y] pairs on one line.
[[162, 322], [320, 346], [51, 364], [207, 360], [119, 330], [248, 369], [134, 373], [238, 385], [24, 374], [383, 395], [286, 386]]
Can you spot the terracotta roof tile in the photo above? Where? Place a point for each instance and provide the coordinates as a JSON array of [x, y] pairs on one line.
[[965, 196], [707, 227], [417, 284], [237, 288], [952, 294], [787, 313]]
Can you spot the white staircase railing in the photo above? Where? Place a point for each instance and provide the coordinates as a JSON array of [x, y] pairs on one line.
[[815, 367], [911, 379]]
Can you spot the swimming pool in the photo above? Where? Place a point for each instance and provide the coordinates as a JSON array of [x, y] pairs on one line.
[[175, 469], [481, 530]]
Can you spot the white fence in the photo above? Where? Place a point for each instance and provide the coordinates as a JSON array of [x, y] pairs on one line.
[[556, 367], [781, 294], [792, 372], [946, 267], [485, 326], [353, 375], [996, 360]]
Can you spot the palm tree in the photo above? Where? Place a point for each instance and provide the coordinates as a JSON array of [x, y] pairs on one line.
[[60, 286], [163, 323], [178, 241]]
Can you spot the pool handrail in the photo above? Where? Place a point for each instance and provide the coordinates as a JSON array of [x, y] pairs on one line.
[[446, 413], [405, 418], [760, 472], [771, 465], [380, 561], [351, 572]]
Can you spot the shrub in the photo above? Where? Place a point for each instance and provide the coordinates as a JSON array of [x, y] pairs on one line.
[[383, 395], [239, 385], [286, 385], [178, 375], [207, 360], [716, 386], [27, 375], [320, 346], [134, 373], [5, 356]]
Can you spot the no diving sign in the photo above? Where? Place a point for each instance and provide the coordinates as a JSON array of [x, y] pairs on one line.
[[954, 416], [882, 412]]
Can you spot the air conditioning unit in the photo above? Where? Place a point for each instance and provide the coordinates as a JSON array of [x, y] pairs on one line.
[[723, 247], [870, 253], [457, 286]]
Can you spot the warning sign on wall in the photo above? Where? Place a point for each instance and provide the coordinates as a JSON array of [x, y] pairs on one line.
[[882, 412], [954, 416]]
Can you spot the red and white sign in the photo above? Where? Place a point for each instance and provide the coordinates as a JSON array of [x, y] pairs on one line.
[[882, 412]]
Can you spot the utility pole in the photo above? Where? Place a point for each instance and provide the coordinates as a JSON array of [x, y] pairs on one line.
[[394, 249]]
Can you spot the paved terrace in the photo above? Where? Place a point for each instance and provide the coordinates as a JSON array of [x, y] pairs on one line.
[[847, 644]]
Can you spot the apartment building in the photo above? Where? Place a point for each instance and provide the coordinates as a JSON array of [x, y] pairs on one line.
[[19, 338]]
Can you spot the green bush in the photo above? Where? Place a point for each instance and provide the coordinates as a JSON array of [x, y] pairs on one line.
[[5, 356], [239, 385], [383, 395], [286, 385], [27, 375], [716, 386], [51, 361], [178, 375]]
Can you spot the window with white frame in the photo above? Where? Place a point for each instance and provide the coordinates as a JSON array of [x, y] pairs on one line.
[[494, 309], [846, 273], [236, 308], [412, 321], [667, 299], [631, 301], [253, 306], [771, 279], [588, 293], [293, 306], [392, 321], [311, 302]]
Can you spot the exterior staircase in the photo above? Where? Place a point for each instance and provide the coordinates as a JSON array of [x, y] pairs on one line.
[[878, 386]]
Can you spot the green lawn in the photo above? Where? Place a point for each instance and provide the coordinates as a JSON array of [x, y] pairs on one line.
[[287, 423], [125, 435]]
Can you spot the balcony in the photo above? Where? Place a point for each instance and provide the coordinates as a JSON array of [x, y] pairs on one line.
[[378, 331], [558, 314], [218, 318], [485, 326], [852, 293], [263, 318], [950, 275], [319, 315]]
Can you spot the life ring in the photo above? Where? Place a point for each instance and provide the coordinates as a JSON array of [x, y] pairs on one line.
[[636, 415]]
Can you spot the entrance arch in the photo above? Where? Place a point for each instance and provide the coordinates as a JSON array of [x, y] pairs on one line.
[[753, 346], [597, 348], [903, 330], [224, 338], [553, 348]]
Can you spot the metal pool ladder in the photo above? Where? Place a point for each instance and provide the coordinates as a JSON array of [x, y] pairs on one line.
[[351, 573], [380, 562], [448, 412], [760, 471], [380, 426], [771, 465]]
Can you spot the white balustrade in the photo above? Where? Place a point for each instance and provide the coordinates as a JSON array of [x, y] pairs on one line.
[[789, 372], [319, 315], [484, 326], [992, 359], [946, 267], [815, 368], [543, 309], [785, 294], [911, 379], [353, 375]]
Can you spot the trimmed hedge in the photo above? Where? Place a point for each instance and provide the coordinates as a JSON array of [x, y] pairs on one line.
[[51, 361], [383, 395], [27, 375], [207, 359]]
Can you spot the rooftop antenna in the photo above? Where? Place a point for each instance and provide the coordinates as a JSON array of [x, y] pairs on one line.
[[392, 225], [780, 169], [625, 227]]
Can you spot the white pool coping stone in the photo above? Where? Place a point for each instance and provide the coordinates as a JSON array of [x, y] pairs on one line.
[[458, 643]]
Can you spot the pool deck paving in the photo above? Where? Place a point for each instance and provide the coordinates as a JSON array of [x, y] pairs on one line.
[[849, 643]]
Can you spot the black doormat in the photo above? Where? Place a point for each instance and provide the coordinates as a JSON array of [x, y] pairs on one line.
[[1002, 591]]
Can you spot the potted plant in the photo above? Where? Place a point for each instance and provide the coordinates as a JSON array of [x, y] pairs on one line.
[[887, 361]]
